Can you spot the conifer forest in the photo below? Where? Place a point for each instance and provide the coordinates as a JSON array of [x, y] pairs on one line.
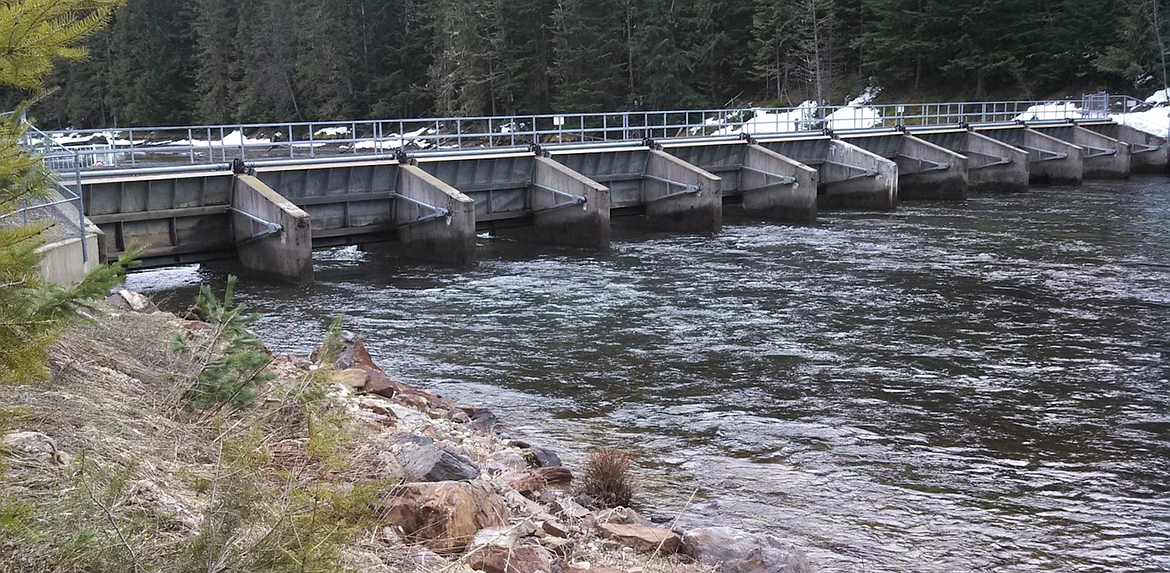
[[176, 62]]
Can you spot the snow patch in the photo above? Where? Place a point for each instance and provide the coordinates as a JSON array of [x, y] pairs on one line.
[[1050, 111], [857, 114], [331, 132], [1154, 120], [1160, 96]]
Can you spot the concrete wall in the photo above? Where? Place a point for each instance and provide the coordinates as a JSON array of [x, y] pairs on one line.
[[449, 239], [284, 255], [701, 211], [846, 184], [918, 180], [63, 263], [764, 197], [1067, 168], [585, 225], [1141, 160], [994, 166], [1104, 157]]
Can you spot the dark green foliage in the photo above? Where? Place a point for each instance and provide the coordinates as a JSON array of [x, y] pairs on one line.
[[166, 61], [232, 359]]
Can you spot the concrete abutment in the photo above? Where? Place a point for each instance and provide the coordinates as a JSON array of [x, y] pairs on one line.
[[273, 237], [679, 196], [426, 233]]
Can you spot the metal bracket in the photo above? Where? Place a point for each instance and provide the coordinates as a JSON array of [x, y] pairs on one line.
[[860, 171], [780, 179], [402, 157], [1142, 148], [436, 212], [933, 165], [649, 142], [572, 199], [686, 189], [1091, 151], [270, 228], [995, 160], [1045, 154]]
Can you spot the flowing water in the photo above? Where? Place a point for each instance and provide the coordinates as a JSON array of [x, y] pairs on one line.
[[976, 386]]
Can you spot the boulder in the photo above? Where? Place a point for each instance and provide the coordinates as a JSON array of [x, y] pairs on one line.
[[539, 479], [623, 515], [495, 536], [136, 301], [568, 509], [735, 551], [544, 457], [444, 516], [32, 446], [353, 378], [422, 460], [643, 538], [523, 559]]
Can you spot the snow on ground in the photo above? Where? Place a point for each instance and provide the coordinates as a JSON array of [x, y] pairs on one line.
[[395, 141], [335, 131], [856, 114], [1160, 96], [233, 139], [1155, 120], [1049, 111]]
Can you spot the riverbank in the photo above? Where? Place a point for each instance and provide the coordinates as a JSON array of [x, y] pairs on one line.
[[330, 465]]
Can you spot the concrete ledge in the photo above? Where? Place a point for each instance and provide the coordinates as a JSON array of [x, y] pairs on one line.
[[1141, 159], [1103, 157], [285, 253], [556, 218], [1050, 160], [1007, 175], [853, 178], [448, 239], [672, 207], [764, 197]]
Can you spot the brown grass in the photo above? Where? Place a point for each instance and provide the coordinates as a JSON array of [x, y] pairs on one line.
[[606, 477]]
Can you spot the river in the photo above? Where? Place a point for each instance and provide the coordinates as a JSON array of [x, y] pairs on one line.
[[974, 386]]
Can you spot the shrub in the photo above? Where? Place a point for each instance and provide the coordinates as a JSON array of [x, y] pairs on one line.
[[607, 477]]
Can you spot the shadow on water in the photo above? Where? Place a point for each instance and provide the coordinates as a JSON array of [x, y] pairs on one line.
[[948, 387]]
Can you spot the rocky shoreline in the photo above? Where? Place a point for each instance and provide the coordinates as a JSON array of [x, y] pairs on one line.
[[448, 491], [475, 498]]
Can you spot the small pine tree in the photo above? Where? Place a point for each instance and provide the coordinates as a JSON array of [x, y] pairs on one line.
[[34, 33]]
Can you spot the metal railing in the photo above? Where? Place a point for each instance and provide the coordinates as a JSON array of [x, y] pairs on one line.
[[142, 148], [66, 163]]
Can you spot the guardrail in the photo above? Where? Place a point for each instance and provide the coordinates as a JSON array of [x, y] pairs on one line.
[[63, 161], [130, 148]]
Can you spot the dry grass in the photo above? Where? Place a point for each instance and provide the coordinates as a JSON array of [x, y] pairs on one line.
[[606, 477]]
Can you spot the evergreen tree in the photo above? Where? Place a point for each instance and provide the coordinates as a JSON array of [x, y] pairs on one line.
[[152, 75], [774, 45], [1141, 52], [591, 55], [904, 40], [34, 33]]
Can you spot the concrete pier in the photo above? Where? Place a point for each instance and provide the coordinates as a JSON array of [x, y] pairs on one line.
[[679, 196], [1148, 153], [765, 183], [567, 207], [849, 176], [425, 232], [1050, 160], [776, 187], [925, 170], [1104, 157], [273, 237], [992, 166]]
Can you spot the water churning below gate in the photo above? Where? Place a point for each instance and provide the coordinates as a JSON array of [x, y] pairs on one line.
[[975, 386]]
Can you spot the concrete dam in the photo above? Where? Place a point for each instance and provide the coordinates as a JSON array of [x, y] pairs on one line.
[[271, 213]]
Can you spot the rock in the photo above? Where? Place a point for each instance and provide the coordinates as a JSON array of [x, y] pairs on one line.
[[495, 536], [414, 401], [137, 301], [558, 545], [422, 460], [445, 516], [32, 446], [147, 494], [735, 551], [377, 406], [569, 509], [521, 504], [353, 378], [458, 416], [540, 478], [481, 419], [553, 527], [643, 538], [378, 383], [524, 559], [584, 567], [355, 353], [623, 515], [544, 457], [506, 462]]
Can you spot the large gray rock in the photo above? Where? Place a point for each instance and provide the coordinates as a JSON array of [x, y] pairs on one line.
[[422, 460], [735, 551]]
